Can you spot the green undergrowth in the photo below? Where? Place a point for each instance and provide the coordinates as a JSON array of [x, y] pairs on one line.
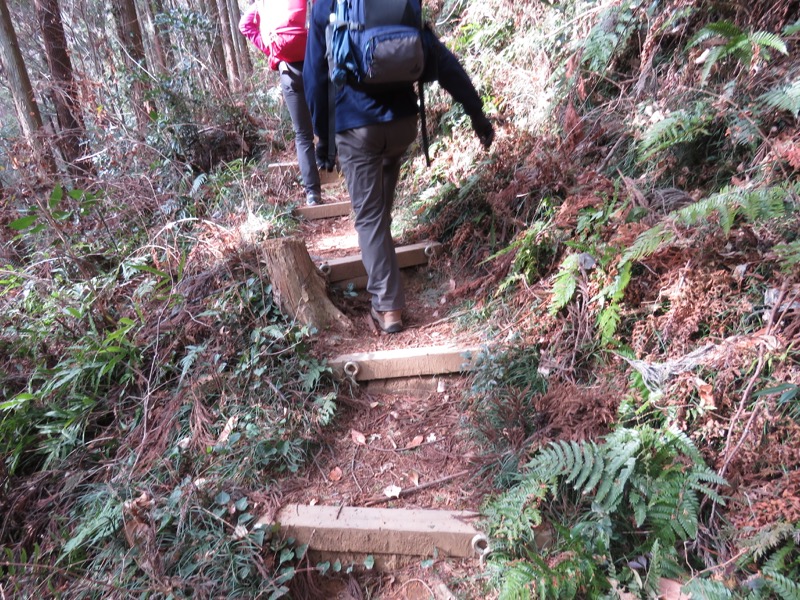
[[639, 145], [171, 393]]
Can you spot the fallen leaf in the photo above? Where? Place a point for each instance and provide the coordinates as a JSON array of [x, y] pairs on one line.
[[706, 393], [335, 474], [358, 437], [669, 589], [413, 476], [415, 442], [392, 491], [226, 431]]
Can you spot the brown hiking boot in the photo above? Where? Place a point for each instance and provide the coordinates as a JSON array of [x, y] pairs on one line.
[[390, 321]]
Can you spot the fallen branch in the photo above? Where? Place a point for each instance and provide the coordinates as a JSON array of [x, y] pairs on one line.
[[413, 490]]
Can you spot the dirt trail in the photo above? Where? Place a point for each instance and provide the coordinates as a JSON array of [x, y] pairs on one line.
[[406, 436]]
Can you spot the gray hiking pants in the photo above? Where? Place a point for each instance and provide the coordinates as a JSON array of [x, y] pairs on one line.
[[295, 97], [371, 158]]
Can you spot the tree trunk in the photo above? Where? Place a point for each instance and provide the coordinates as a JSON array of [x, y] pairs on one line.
[[150, 38], [228, 46], [130, 34], [28, 115], [64, 92], [162, 43], [217, 52], [299, 287], [242, 51]]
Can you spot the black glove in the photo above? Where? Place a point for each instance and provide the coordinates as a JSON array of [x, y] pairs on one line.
[[324, 162], [484, 130]]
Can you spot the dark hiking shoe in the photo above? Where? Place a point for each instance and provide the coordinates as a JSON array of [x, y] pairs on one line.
[[313, 199], [389, 321]]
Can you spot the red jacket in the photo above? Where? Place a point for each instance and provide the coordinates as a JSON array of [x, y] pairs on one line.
[[277, 28]]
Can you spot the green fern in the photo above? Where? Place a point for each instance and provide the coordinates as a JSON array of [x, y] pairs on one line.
[[611, 34], [707, 589], [735, 43], [648, 243], [792, 29], [565, 283], [759, 204], [656, 476], [679, 127], [784, 97], [766, 540], [517, 580], [782, 585], [611, 314]]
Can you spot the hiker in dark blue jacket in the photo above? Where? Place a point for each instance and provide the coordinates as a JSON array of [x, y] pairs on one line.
[[372, 132]]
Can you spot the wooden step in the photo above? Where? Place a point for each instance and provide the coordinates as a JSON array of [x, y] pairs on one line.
[[350, 269], [405, 362], [324, 211], [383, 531]]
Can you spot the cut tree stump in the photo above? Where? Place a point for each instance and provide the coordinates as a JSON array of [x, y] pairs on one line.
[[299, 287]]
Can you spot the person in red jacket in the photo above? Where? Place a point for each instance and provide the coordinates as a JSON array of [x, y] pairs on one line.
[[278, 29]]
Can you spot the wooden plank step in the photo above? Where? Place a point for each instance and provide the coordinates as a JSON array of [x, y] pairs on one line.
[[351, 268], [383, 531], [324, 211], [405, 362]]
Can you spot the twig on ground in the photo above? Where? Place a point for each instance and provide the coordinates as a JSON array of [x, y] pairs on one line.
[[413, 490]]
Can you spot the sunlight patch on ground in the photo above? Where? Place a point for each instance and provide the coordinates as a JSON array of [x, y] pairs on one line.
[[339, 242]]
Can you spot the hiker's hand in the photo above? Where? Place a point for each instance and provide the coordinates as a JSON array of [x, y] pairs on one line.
[[324, 162], [484, 129]]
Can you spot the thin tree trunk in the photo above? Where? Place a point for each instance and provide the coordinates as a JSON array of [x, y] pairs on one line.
[[242, 51], [217, 52], [228, 46], [64, 92], [162, 42], [130, 34], [28, 115], [152, 43]]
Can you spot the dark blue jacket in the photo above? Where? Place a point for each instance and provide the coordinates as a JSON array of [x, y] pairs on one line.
[[354, 107], [359, 108]]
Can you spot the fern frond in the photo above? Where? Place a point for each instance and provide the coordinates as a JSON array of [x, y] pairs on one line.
[[589, 463], [565, 283], [609, 318], [788, 255], [681, 126], [517, 579], [648, 243], [784, 97], [724, 29], [790, 30], [611, 34], [608, 321], [707, 589], [782, 585], [765, 39], [759, 204], [769, 538]]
